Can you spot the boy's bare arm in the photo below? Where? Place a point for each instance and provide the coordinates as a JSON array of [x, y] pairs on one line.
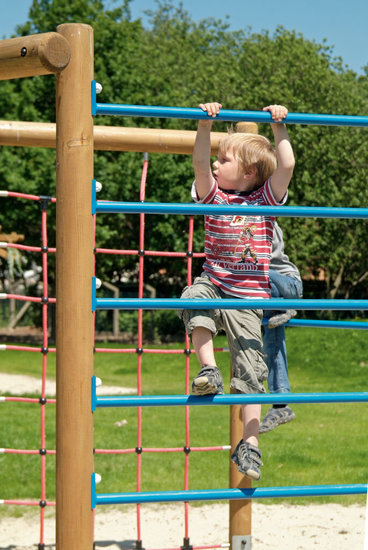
[[202, 150], [285, 157]]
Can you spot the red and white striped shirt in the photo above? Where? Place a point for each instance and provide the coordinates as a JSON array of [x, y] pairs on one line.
[[238, 247]]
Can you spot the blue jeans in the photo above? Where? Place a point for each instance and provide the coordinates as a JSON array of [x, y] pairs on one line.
[[274, 346]]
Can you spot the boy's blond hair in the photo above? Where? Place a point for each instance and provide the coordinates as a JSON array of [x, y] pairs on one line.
[[251, 151]]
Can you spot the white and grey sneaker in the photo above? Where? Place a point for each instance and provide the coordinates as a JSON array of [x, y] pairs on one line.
[[208, 381], [248, 459], [274, 417], [281, 318]]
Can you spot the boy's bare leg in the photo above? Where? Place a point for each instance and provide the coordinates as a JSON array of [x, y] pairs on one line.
[[202, 341], [251, 417], [209, 380]]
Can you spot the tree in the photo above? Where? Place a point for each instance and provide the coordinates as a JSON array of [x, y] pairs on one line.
[[175, 61]]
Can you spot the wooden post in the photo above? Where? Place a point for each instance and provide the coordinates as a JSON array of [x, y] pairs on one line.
[[74, 318], [240, 510], [33, 55]]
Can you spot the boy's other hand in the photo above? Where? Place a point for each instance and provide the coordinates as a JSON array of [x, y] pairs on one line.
[[278, 112], [212, 109]]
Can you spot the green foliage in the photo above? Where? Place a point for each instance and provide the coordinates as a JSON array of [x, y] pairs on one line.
[[175, 61], [168, 326]]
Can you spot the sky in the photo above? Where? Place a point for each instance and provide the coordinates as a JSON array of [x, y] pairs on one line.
[[341, 23]]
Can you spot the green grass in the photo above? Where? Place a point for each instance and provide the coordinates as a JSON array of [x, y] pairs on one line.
[[326, 444]]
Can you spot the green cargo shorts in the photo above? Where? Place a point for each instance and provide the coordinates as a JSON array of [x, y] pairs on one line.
[[243, 330]]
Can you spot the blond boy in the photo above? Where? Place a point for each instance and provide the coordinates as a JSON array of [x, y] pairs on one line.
[[248, 171]]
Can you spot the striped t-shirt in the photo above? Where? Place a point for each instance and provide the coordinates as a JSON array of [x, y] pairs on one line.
[[238, 247]]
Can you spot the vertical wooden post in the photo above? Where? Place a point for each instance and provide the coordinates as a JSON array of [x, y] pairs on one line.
[[240, 510], [74, 318]]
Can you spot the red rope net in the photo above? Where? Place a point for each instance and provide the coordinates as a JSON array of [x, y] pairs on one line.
[[45, 300], [42, 401]]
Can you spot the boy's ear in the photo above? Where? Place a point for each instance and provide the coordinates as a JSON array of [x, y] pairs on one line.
[[251, 172]]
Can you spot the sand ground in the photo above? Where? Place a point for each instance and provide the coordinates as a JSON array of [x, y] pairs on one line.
[[286, 527]]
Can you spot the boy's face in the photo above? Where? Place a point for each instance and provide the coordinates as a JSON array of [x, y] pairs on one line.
[[228, 174]]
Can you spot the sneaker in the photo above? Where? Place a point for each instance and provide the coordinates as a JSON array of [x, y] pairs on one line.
[[248, 459], [208, 381], [281, 318], [274, 417]]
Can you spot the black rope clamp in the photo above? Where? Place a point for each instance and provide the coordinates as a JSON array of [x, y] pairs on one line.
[[44, 202], [186, 544]]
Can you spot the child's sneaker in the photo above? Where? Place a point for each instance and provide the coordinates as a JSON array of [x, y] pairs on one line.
[[274, 417], [281, 318], [248, 459], [208, 381]]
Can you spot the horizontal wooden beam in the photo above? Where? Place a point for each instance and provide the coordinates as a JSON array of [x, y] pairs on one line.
[[34, 55], [152, 140], [106, 138], [27, 134]]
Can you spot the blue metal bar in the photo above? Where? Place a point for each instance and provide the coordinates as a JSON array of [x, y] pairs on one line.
[[228, 399], [94, 199], [94, 394], [227, 115], [94, 289], [93, 491], [230, 494], [93, 98], [360, 325], [236, 303], [113, 207]]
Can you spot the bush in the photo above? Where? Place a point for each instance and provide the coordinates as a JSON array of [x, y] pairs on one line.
[[168, 326]]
